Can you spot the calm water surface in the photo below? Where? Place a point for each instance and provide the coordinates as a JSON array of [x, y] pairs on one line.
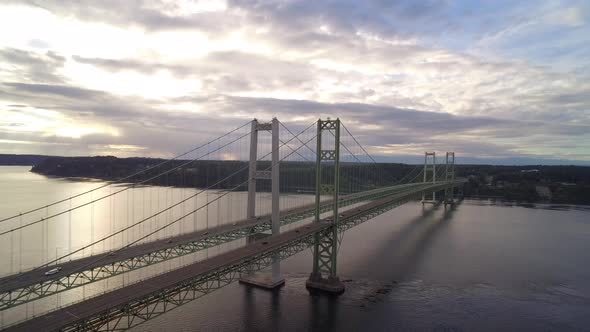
[[481, 266], [123, 207]]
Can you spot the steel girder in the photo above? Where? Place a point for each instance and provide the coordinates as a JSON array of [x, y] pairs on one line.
[[141, 310], [80, 278], [133, 313], [37, 291]]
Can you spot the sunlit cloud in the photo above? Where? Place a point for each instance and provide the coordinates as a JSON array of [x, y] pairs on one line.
[[229, 156], [114, 77], [79, 132]]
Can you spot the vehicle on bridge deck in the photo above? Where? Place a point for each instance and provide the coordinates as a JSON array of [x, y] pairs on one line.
[[53, 271]]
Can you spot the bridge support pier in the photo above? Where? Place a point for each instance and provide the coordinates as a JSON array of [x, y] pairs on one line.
[[274, 278], [330, 285], [263, 280], [324, 278]]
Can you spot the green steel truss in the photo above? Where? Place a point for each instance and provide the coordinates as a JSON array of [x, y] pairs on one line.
[[325, 248], [133, 313], [14, 297], [449, 177], [143, 309]]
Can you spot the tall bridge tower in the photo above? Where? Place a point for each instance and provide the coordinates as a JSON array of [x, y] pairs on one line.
[[429, 174], [325, 248], [275, 279], [449, 176]]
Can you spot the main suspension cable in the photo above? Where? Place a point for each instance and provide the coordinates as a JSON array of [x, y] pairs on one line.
[[57, 259], [395, 182], [81, 268], [122, 190], [124, 178]]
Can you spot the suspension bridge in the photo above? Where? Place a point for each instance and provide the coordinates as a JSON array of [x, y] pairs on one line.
[[128, 250]]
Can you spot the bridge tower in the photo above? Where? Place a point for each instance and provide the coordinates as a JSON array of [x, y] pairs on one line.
[[449, 177], [429, 168], [275, 279], [325, 248]]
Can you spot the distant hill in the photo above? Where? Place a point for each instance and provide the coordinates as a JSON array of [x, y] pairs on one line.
[[21, 159], [295, 176], [533, 183]]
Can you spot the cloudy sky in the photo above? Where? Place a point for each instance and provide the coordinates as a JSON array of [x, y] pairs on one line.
[[498, 80]]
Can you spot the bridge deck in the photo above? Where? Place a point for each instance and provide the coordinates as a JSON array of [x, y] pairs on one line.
[[119, 298], [88, 263], [37, 276], [94, 306]]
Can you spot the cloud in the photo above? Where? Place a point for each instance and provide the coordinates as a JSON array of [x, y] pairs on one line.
[[399, 131], [150, 15], [116, 65], [403, 130], [404, 76], [221, 71], [31, 66], [109, 119]]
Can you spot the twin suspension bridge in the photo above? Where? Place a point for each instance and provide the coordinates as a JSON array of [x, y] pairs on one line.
[[122, 252]]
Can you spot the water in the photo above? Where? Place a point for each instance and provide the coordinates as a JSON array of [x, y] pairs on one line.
[[482, 266], [86, 231], [122, 207]]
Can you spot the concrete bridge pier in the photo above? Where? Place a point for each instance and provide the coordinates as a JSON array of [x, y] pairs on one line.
[[330, 285]]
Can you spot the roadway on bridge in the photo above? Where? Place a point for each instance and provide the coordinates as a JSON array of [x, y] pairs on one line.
[[101, 304], [34, 277], [94, 306]]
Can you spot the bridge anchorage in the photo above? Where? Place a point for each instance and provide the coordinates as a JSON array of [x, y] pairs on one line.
[[347, 193]]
